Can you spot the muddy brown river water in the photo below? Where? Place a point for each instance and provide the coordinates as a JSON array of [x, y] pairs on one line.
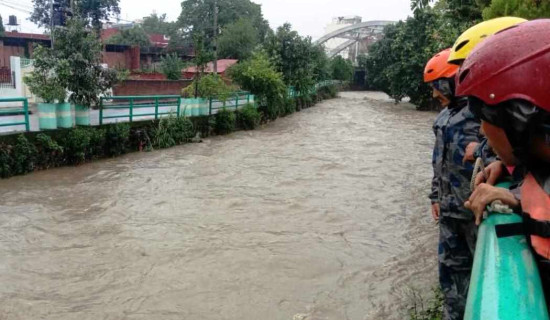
[[319, 215]]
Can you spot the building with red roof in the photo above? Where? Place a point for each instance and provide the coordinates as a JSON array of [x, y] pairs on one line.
[[223, 65]]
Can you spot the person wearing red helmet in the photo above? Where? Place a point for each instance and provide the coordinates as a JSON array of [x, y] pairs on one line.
[[455, 129], [507, 84]]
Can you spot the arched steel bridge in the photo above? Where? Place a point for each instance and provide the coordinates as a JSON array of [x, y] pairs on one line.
[[368, 30]]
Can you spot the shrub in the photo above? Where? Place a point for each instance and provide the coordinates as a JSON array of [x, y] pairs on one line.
[[289, 106], [181, 129], [117, 139], [249, 117], [171, 66], [209, 86], [24, 154], [225, 122], [97, 143], [259, 76], [50, 153], [6, 161], [76, 144], [162, 137]]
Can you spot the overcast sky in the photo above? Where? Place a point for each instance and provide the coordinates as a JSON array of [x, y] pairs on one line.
[[309, 17]]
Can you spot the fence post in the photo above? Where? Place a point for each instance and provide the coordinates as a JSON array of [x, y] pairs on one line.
[[237, 101], [210, 107], [101, 111], [26, 108], [131, 109], [179, 106], [156, 108]]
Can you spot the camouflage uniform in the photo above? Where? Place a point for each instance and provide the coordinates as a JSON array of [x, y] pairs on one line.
[[454, 129]]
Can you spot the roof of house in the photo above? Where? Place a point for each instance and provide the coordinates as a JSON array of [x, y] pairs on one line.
[[31, 36], [223, 64]]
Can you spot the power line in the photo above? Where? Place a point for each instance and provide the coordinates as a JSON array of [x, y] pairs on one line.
[[19, 4], [15, 8]]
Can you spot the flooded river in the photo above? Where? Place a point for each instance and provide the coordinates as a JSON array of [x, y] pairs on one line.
[[319, 215]]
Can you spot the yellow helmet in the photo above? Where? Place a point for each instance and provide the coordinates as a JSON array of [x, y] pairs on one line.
[[471, 37]]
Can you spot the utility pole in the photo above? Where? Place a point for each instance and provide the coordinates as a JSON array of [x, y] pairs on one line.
[[52, 36], [216, 37]]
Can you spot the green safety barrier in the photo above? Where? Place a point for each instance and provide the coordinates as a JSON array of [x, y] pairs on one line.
[[134, 103], [236, 100], [23, 111]]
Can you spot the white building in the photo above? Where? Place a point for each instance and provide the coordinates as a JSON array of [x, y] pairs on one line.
[[339, 23]]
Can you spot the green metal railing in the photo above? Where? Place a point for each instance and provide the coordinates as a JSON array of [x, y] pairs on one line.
[[16, 111], [127, 106], [236, 100]]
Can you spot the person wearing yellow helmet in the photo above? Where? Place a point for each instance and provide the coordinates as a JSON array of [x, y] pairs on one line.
[[470, 38], [461, 49]]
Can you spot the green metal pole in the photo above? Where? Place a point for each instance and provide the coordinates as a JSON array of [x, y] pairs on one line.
[[210, 108], [237, 101], [131, 109], [179, 106], [26, 108], [100, 111], [156, 108]]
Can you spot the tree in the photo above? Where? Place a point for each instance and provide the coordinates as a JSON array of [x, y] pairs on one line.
[[157, 24], [197, 16], [291, 55], [134, 36], [1, 27], [457, 10], [260, 77], [528, 9], [94, 12], [396, 63], [171, 66], [341, 69], [238, 40], [47, 78], [81, 49]]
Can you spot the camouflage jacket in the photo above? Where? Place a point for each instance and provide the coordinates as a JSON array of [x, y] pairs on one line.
[[454, 129]]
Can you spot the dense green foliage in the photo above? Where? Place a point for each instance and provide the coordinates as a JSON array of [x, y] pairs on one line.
[[209, 86], [300, 62], [197, 16], [47, 81], [249, 117], [341, 69], [225, 121], [1, 27], [395, 64], [171, 66], [259, 76], [94, 12], [238, 40], [134, 36], [528, 9], [155, 23]]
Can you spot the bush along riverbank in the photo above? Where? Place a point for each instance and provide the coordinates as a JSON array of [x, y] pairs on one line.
[[27, 152]]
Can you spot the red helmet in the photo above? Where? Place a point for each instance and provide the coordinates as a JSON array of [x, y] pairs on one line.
[[512, 64], [438, 67]]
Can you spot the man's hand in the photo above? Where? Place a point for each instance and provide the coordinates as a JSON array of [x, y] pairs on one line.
[[435, 211], [469, 152], [485, 194], [492, 172]]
